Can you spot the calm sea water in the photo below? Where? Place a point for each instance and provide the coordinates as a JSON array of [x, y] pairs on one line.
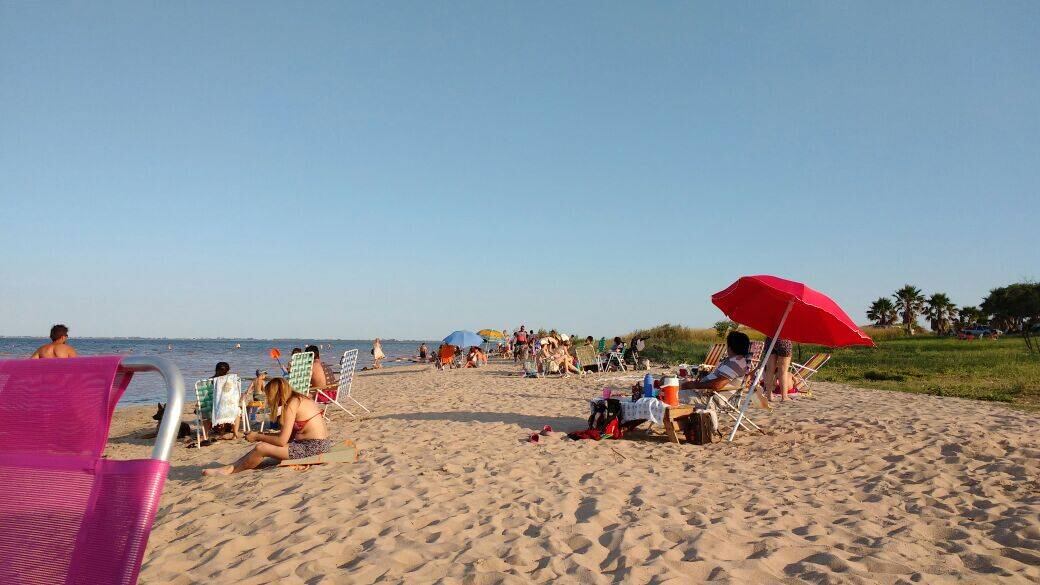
[[196, 358]]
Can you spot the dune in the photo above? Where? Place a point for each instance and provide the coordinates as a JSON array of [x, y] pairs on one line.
[[852, 486]]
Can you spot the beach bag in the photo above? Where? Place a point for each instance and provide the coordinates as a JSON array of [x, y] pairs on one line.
[[591, 434], [606, 419], [698, 428]]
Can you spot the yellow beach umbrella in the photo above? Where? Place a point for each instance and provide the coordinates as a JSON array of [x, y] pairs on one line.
[[490, 334]]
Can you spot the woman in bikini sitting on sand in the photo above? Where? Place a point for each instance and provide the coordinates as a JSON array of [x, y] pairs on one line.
[[303, 432]]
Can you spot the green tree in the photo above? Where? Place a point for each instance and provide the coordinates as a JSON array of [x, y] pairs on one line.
[[722, 328], [909, 303], [1016, 307], [882, 312], [941, 313], [970, 316]]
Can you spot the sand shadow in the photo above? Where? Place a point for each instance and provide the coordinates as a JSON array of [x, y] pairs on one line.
[[138, 437], [388, 372], [525, 421]]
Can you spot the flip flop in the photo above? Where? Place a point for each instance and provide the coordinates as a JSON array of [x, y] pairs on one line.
[[533, 438], [546, 430]]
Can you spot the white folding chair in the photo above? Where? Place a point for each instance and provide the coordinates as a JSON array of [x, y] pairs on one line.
[[727, 401], [330, 396], [618, 358]]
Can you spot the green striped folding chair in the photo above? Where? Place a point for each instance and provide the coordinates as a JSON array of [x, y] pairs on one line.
[[300, 371], [203, 408]]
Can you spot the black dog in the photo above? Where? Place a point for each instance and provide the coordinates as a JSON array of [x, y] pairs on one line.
[[182, 432]]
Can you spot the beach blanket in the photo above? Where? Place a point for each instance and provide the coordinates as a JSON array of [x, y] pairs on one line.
[[227, 391], [650, 409]]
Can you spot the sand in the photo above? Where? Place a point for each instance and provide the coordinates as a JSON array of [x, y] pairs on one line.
[[852, 486]]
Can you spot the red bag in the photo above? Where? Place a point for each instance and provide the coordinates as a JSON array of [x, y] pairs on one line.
[[613, 429]]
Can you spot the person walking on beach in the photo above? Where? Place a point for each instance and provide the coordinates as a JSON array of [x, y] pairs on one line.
[[519, 344], [377, 354], [58, 347], [303, 432], [423, 352]]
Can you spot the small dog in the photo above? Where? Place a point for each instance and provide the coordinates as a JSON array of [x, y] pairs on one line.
[[182, 432]]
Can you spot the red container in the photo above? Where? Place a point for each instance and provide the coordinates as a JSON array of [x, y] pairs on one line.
[[670, 391]]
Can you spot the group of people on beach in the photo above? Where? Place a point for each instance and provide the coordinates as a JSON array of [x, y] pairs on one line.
[[556, 352], [452, 356], [299, 428]]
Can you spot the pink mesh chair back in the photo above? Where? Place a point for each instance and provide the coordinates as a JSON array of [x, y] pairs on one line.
[[66, 514]]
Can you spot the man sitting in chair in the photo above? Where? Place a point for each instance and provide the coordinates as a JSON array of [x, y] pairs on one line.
[[730, 371], [318, 379]]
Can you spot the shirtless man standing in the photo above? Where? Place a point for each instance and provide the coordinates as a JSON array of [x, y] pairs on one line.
[[58, 347]]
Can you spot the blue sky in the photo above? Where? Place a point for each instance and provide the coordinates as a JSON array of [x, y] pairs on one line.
[[404, 169]]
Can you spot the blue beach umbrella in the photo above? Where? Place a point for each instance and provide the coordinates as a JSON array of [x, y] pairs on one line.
[[464, 339]]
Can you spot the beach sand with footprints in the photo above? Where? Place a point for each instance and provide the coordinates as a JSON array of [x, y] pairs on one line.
[[852, 486]]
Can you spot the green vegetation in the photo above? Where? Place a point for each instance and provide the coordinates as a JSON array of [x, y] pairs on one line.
[[1014, 308], [985, 369], [1002, 370]]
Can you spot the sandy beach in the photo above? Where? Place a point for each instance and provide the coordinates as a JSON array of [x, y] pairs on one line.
[[852, 486]]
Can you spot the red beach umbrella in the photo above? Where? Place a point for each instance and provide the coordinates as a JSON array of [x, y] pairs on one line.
[[765, 302], [787, 310]]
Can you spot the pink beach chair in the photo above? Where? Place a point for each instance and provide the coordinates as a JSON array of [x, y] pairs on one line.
[[67, 515]]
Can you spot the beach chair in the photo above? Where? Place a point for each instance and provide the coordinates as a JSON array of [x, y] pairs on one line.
[[550, 367], [68, 514], [757, 347], [340, 390], [530, 368], [300, 371], [203, 409], [447, 357], [727, 401], [714, 356], [616, 357], [587, 356], [801, 373]]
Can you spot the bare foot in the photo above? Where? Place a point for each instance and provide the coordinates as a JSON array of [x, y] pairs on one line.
[[225, 470]]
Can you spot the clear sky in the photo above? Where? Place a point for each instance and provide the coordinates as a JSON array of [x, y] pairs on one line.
[[405, 169]]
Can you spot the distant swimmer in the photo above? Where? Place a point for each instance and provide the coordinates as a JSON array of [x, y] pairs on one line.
[[58, 347], [169, 346], [238, 346]]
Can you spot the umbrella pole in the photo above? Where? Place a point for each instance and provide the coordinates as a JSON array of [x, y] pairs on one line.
[[761, 370]]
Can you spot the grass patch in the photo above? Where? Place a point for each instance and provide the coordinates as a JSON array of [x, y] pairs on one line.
[[875, 376], [992, 370]]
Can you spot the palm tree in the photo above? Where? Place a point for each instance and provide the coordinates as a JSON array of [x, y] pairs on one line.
[[968, 316], [909, 303], [882, 312], [941, 313]]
